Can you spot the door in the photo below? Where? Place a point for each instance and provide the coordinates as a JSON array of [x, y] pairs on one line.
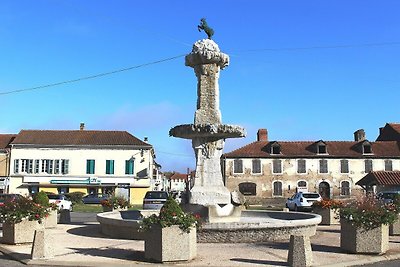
[[325, 190]]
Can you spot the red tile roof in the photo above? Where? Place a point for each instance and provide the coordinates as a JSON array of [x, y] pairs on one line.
[[179, 176], [351, 149], [395, 126], [380, 178], [76, 137], [5, 140]]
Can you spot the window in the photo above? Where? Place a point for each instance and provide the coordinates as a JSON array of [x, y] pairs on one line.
[[301, 166], [129, 166], [65, 166], [90, 166], [33, 189], [321, 149], [344, 166], [16, 166], [109, 166], [302, 184], [49, 166], [323, 166], [345, 188], [44, 163], [37, 166], [57, 166], [275, 149], [368, 165], [276, 166], [367, 149], [256, 166], [248, 189], [237, 166], [23, 165], [388, 165], [63, 190], [277, 186]]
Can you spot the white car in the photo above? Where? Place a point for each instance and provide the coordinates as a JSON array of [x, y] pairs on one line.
[[62, 202], [302, 201]]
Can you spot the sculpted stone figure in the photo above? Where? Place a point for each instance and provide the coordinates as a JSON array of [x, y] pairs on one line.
[[204, 26]]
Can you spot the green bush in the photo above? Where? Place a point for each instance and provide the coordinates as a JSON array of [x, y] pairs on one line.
[[75, 197], [41, 199]]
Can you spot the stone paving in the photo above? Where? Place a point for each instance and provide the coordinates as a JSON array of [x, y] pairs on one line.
[[84, 245]]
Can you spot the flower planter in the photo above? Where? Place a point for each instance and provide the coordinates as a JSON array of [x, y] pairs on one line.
[[394, 228], [19, 233], [359, 240], [170, 244], [51, 220], [329, 216]]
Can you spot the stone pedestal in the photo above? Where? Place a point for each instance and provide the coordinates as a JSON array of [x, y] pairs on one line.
[[394, 229], [329, 216], [65, 216], [43, 245], [51, 220], [300, 253]]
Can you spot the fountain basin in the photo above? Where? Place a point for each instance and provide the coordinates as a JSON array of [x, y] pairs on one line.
[[217, 131], [254, 226]]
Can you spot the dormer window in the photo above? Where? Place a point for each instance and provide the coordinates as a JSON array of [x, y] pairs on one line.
[[275, 148], [321, 148], [366, 148]]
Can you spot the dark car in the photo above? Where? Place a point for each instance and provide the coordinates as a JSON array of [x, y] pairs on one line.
[[8, 197], [94, 198], [388, 196], [154, 200]]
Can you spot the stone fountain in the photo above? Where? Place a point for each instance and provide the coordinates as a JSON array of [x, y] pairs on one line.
[[208, 196], [224, 219]]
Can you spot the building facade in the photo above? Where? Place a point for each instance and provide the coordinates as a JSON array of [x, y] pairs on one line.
[[85, 161], [266, 170], [5, 140]]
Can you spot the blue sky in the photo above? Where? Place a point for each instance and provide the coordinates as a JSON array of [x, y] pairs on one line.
[[305, 70]]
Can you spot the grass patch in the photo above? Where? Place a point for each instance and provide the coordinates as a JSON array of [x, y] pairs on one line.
[[96, 208], [88, 208]]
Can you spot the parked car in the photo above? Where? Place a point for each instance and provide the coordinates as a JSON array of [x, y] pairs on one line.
[[388, 196], [8, 197], [302, 201], [154, 200], [63, 203], [94, 198]]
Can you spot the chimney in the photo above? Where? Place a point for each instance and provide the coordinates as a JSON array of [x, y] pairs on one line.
[[262, 135], [359, 135], [381, 130], [145, 139], [82, 126]]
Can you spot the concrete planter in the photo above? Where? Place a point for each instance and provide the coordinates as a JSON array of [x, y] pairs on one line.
[[19, 233], [170, 244], [51, 220], [329, 216], [359, 240], [394, 229]]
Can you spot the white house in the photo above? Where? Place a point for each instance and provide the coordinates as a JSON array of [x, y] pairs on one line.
[[81, 160]]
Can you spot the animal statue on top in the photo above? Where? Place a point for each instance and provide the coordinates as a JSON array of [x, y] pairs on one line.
[[203, 26]]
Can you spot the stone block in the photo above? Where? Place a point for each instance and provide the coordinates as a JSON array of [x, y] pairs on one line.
[[170, 244], [359, 240], [329, 216], [65, 216], [394, 229], [300, 253], [43, 245]]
